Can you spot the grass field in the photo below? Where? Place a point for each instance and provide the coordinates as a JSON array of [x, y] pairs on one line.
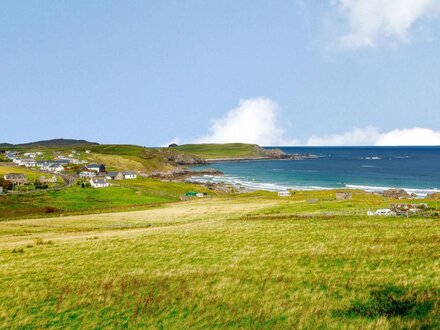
[[126, 194], [247, 261], [226, 150]]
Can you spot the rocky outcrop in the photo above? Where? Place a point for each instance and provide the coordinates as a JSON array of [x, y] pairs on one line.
[[182, 173], [183, 159], [434, 196], [396, 193]]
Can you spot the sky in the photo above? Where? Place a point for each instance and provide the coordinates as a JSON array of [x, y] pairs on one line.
[[298, 72]]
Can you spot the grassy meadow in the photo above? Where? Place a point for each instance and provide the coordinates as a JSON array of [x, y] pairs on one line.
[[122, 195], [223, 150], [240, 261]]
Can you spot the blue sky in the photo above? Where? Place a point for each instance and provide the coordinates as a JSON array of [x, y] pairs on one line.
[[271, 72]]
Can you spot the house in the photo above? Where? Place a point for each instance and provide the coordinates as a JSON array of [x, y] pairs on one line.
[[43, 179], [343, 195], [96, 167], [129, 175], [87, 174], [382, 212], [284, 193], [114, 176], [88, 151], [15, 178], [201, 195], [55, 167], [99, 182]]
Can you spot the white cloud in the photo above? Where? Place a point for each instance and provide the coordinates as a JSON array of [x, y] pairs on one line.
[[370, 136], [253, 121], [359, 136], [410, 137], [369, 21]]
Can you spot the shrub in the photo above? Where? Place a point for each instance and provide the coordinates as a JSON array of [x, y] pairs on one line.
[[49, 209]]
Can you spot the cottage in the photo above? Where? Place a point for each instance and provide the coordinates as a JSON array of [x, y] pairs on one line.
[[15, 178], [99, 182], [55, 167], [96, 167], [53, 179], [343, 195], [87, 174], [129, 175], [284, 193], [114, 176]]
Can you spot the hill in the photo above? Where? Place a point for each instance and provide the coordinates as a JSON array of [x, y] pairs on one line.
[[53, 143], [225, 150]]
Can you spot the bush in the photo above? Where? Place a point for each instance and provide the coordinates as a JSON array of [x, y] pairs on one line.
[[49, 209]]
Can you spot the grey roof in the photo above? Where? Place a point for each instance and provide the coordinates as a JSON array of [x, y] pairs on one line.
[[112, 174], [14, 176]]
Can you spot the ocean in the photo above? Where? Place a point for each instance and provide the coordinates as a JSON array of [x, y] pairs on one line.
[[373, 169]]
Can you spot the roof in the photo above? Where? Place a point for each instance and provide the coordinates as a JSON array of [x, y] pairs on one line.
[[112, 174], [129, 173], [14, 176]]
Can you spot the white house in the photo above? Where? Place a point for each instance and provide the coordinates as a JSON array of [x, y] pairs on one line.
[[382, 212], [87, 174], [55, 168], [129, 175], [284, 193], [99, 182]]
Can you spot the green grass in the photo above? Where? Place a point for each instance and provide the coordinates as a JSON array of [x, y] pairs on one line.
[[126, 194], [227, 150], [214, 264]]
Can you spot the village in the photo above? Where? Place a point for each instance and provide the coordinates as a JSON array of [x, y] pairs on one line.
[[67, 167]]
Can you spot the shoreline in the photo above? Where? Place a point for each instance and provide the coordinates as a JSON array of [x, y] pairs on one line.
[[248, 186]]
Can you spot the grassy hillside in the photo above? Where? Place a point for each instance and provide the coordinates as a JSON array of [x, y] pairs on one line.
[[221, 263], [226, 150]]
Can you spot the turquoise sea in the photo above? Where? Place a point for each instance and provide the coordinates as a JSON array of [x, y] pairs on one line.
[[416, 169]]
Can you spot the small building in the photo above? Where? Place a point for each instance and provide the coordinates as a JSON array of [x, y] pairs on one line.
[[191, 194], [96, 167], [88, 151], [52, 179], [16, 178], [382, 212], [129, 175], [114, 176], [55, 167], [284, 193], [99, 182], [87, 174], [343, 195], [201, 194]]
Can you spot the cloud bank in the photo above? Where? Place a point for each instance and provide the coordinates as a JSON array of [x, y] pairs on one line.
[[367, 22], [256, 121], [370, 136], [253, 121]]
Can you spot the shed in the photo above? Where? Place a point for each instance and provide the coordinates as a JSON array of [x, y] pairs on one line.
[[284, 193]]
